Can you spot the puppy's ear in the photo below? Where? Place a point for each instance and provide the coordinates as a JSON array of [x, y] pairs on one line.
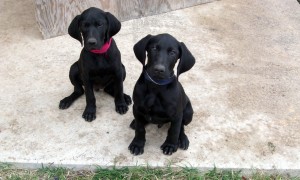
[[114, 25], [73, 29], [187, 60], [140, 49]]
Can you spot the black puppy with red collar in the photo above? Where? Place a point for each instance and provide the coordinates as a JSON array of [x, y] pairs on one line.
[[158, 96], [99, 64]]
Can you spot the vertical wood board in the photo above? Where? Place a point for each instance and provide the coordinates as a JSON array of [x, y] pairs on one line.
[[54, 16]]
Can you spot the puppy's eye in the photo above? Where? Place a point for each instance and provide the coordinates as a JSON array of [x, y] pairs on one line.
[[86, 25], [99, 25], [153, 48], [172, 53]]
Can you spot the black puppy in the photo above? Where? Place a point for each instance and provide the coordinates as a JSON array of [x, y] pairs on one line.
[[99, 64], [158, 95]]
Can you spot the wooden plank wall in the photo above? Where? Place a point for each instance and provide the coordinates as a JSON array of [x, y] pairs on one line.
[[53, 16]]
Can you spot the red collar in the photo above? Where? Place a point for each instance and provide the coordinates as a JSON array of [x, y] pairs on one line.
[[103, 49]]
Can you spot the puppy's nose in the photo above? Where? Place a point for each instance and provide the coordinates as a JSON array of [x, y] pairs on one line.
[[159, 69], [92, 41]]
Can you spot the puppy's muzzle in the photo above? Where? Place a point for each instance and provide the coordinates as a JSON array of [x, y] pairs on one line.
[[92, 41], [159, 68]]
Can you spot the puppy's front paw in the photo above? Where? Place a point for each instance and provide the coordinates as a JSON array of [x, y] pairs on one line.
[[136, 148], [89, 114], [168, 148], [121, 108], [65, 103]]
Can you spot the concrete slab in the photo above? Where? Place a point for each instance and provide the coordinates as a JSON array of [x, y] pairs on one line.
[[244, 89]]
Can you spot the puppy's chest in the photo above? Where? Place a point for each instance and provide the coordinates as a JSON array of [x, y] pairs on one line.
[[99, 71], [99, 66], [158, 109]]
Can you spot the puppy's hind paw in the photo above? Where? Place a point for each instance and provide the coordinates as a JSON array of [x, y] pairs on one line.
[[184, 142], [127, 99]]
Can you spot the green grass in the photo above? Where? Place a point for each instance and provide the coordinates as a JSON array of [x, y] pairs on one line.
[[143, 173]]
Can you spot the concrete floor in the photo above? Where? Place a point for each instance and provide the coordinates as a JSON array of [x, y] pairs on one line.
[[245, 90]]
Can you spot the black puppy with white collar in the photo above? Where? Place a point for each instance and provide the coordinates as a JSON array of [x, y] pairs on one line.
[[99, 64], [158, 96]]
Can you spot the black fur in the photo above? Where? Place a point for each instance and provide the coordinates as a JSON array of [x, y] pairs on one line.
[[94, 71], [161, 104]]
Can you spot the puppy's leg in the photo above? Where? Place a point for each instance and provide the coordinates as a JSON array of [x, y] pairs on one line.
[[188, 113], [89, 113], [78, 90], [187, 118], [136, 147], [132, 124], [120, 103], [148, 102], [109, 89], [171, 144], [183, 140]]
